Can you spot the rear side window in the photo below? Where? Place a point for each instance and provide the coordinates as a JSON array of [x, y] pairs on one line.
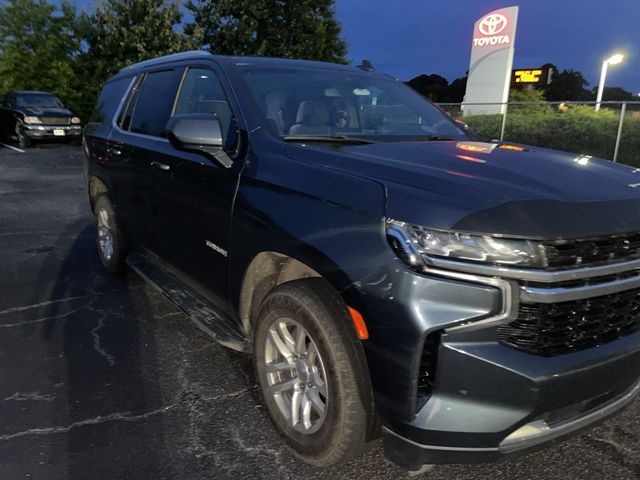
[[109, 99], [154, 102]]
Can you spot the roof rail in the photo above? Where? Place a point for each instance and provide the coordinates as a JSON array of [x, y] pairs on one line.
[[167, 58]]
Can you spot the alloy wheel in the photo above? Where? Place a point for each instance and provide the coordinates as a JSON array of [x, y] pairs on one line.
[[296, 376], [105, 237]]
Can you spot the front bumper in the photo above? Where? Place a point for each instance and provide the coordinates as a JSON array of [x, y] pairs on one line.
[[49, 132], [456, 428], [527, 438], [488, 400]]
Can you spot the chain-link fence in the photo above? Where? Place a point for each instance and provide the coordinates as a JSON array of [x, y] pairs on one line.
[[612, 133]]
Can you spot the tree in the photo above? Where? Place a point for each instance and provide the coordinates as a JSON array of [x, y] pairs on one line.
[[567, 85], [528, 94], [304, 29], [614, 94], [518, 94], [437, 88], [122, 32], [457, 90], [433, 86], [37, 48]]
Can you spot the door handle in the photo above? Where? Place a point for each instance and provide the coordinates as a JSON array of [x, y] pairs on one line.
[[114, 151], [161, 166]]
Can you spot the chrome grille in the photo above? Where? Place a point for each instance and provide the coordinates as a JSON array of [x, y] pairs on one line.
[[551, 329], [582, 252], [55, 121]]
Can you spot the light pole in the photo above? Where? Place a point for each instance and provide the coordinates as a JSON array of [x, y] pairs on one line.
[[613, 60]]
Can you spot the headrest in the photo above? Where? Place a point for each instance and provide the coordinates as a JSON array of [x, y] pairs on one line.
[[313, 112]]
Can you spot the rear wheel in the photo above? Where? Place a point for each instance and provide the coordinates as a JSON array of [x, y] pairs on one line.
[[312, 372], [24, 141], [111, 246]]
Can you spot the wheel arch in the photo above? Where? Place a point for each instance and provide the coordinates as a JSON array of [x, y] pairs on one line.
[[266, 271], [97, 187]]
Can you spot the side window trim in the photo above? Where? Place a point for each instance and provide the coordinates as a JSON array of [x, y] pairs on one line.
[[185, 73], [226, 85], [124, 103], [133, 102], [128, 99]]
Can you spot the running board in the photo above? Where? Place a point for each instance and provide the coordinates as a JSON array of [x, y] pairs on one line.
[[223, 329]]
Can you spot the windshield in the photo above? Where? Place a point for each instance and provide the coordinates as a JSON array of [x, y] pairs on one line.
[[312, 102], [38, 100]]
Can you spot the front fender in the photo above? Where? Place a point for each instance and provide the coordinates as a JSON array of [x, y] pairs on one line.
[[330, 221]]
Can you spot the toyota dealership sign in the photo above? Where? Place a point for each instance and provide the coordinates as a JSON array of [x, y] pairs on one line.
[[492, 24], [489, 29], [492, 49]]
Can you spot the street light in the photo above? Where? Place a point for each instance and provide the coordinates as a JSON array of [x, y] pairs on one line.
[[613, 60]]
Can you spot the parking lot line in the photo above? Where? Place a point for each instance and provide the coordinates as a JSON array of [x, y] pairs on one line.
[[12, 147]]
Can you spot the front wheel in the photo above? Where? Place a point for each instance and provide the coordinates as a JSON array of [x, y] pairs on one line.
[[24, 141], [312, 372]]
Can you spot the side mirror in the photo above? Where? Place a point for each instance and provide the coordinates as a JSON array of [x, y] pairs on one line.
[[198, 132], [462, 124]]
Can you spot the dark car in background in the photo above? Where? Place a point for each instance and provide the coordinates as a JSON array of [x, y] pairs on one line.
[[26, 116], [466, 300]]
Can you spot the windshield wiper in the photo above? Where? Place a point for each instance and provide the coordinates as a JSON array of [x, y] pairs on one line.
[[343, 139]]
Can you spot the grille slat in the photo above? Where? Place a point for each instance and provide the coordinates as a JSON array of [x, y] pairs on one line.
[[557, 328], [55, 121], [582, 252]]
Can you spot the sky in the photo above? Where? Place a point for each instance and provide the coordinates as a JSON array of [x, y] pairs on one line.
[[408, 37]]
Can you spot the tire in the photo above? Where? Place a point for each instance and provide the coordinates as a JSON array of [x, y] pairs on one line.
[[111, 246], [23, 140], [337, 375]]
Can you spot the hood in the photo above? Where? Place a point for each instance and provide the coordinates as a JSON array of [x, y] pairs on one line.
[[497, 188], [46, 111]]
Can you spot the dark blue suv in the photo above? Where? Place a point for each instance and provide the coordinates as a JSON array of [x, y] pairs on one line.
[[390, 274]]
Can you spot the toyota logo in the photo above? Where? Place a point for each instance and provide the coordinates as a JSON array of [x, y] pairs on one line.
[[492, 24]]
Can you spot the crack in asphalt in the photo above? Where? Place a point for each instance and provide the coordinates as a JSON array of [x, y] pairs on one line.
[[21, 397], [97, 345], [617, 452], [41, 304], [167, 315], [39, 320], [41, 232], [192, 398], [118, 416]]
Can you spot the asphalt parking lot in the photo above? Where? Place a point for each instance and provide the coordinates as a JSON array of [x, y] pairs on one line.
[[102, 378]]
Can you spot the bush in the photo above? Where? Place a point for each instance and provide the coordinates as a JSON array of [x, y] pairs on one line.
[[578, 129]]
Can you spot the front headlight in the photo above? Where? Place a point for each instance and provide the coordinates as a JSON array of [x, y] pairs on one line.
[[75, 120], [416, 245], [32, 120]]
